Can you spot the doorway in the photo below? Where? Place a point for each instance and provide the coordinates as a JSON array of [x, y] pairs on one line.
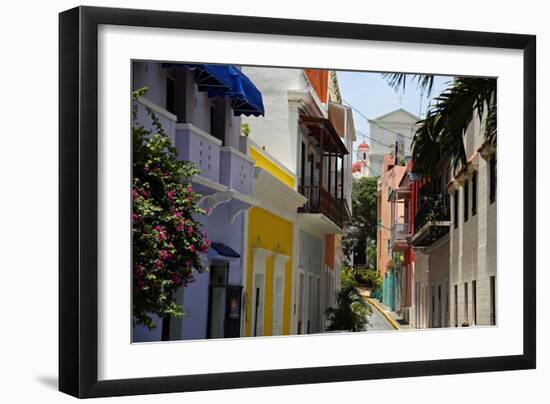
[[224, 306]]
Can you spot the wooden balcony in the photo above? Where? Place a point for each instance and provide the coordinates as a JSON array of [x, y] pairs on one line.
[[321, 201]]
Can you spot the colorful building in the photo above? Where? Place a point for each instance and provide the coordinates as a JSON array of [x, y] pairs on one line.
[[391, 218], [430, 241], [200, 108], [309, 132], [271, 239]]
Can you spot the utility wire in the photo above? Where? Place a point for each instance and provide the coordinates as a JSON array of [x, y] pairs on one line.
[[375, 123], [365, 136]]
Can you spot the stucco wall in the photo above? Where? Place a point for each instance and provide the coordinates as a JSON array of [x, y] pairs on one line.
[[277, 131], [272, 233], [473, 254], [439, 283], [421, 290]]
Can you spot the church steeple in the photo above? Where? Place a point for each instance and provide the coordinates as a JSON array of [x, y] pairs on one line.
[[361, 166]]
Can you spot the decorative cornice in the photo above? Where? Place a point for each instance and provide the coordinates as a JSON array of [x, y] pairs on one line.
[[261, 253], [279, 261]]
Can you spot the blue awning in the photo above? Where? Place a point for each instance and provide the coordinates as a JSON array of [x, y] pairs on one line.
[[225, 250], [227, 81]]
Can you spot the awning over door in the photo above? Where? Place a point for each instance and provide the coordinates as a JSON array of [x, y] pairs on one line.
[[220, 251]]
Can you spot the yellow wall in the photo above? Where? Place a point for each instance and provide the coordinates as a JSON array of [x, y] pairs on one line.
[[266, 230], [265, 163]]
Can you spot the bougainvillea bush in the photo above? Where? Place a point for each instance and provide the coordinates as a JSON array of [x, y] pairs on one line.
[[168, 241]]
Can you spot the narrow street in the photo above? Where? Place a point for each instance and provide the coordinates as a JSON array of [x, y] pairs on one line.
[[377, 321]]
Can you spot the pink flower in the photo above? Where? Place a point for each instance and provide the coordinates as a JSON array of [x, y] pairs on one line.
[[177, 214], [135, 217], [146, 194], [165, 255], [205, 246], [179, 228], [158, 263], [190, 188], [134, 193], [176, 279], [161, 233], [206, 211], [189, 229], [192, 248], [189, 263], [170, 195]]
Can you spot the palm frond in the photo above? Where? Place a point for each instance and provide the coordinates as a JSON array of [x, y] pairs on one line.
[[441, 133], [398, 81]]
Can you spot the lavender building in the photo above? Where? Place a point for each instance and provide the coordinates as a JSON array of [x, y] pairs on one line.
[[200, 108]]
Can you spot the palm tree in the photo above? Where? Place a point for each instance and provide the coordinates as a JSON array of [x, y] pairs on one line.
[[440, 134]]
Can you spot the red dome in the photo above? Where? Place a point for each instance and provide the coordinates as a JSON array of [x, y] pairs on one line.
[[363, 146]]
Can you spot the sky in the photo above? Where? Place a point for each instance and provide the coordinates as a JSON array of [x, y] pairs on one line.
[[371, 95]]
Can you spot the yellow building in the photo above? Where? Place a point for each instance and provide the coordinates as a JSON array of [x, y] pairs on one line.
[[270, 269]]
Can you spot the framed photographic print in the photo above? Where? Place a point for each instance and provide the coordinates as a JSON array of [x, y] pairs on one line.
[[251, 201]]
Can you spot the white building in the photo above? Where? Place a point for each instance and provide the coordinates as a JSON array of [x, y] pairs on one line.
[[307, 130], [396, 127], [473, 234]]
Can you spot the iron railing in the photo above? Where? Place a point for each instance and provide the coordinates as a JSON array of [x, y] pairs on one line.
[[399, 232], [319, 200], [433, 208]]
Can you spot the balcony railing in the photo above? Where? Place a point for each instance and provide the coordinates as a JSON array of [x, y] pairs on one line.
[[432, 220], [194, 144], [399, 234], [321, 201], [236, 170]]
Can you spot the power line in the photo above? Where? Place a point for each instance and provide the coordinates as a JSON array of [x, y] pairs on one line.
[[365, 136], [375, 123]]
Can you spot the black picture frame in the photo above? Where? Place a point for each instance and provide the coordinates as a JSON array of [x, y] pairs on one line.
[[78, 201]]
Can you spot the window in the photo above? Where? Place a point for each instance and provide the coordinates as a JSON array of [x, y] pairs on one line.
[[455, 203], [466, 302], [466, 197], [474, 193], [311, 168], [433, 307], [303, 165], [493, 179], [493, 300], [364, 156], [439, 305], [456, 305], [170, 95], [474, 299]]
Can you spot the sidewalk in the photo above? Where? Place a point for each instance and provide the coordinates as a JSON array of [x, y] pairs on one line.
[[396, 320]]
